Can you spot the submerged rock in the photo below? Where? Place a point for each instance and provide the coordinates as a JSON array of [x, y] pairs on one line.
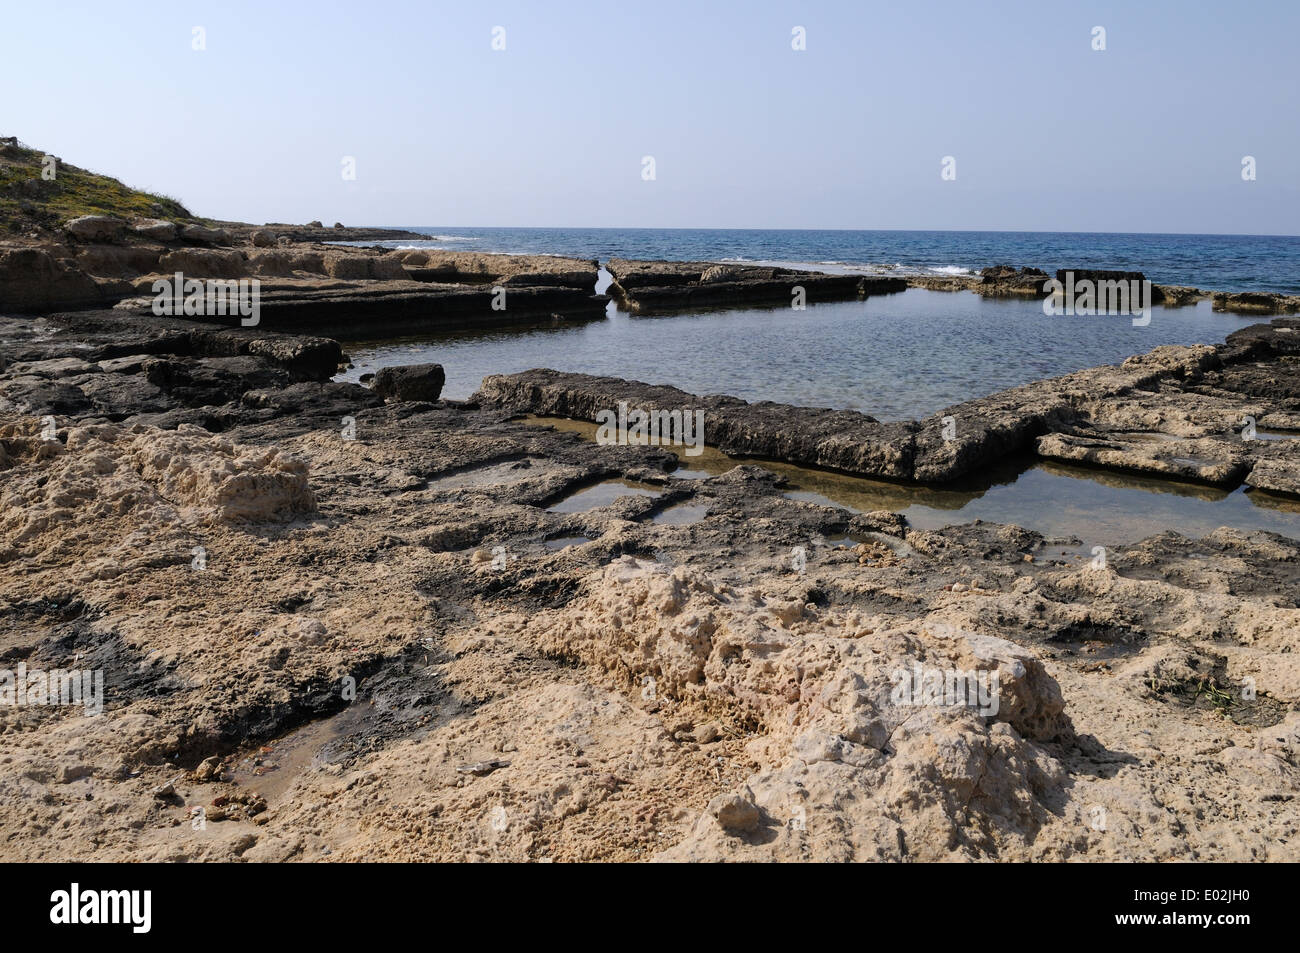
[[1255, 302]]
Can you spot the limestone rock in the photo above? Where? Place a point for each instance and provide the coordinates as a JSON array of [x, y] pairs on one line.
[[735, 813], [204, 263], [156, 230], [33, 282], [95, 228], [410, 382], [205, 235]]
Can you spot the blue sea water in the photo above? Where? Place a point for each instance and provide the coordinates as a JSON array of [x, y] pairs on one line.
[[894, 356], [1211, 262]]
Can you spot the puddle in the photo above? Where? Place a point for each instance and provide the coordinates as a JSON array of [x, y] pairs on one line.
[[848, 542], [1140, 436], [602, 494], [564, 542], [1065, 552], [271, 769], [1102, 643], [504, 473], [982, 346], [808, 496], [1056, 499], [1262, 433], [682, 514]]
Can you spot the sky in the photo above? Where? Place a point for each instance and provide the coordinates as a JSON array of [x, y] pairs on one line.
[[1046, 132]]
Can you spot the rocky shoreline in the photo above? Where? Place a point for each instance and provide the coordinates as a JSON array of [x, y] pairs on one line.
[[308, 284], [338, 622], [1184, 413], [405, 639], [341, 290], [1004, 281]]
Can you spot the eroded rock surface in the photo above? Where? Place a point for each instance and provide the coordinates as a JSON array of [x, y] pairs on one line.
[[309, 630]]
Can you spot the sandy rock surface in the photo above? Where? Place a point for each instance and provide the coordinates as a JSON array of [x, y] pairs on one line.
[[334, 628]]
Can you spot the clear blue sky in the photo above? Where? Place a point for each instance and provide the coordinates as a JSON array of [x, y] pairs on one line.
[[1047, 133]]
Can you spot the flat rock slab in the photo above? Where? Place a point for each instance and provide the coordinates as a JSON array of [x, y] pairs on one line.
[[643, 286], [387, 307], [1277, 467], [1207, 460], [820, 437]]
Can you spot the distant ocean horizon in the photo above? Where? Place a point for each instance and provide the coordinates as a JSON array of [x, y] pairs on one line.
[[1209, 262]]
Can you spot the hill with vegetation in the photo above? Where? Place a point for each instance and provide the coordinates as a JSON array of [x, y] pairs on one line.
[[35, 205]]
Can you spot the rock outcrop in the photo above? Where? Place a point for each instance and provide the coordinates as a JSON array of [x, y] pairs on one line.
[[656, 286], [32, 281], [1255, 302]]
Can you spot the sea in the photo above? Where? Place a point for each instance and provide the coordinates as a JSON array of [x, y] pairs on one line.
[[898, 356], [1212, 262]]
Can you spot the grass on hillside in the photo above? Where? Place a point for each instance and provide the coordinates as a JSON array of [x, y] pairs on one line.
[[27, 201]]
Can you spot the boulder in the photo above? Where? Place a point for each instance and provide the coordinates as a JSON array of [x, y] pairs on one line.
[[1095, 275], [1003, 280], [1177, 296], [313, 262], [205, 235], [95, 228], [410, 382], [157, 230], [264, 238]]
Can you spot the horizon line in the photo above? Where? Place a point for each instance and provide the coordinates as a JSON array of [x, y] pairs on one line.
[[837, 228]]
